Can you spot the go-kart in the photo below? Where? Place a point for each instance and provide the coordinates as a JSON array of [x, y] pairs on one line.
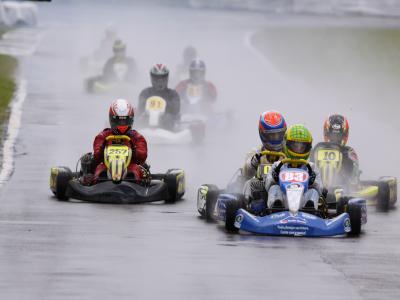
[[329, 161], [115, 185], [152, 125], [196, 105], [109, 83], [292, 218]]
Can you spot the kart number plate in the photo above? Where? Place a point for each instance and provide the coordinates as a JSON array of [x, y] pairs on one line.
[[117, 151], [194, 90], [294, 176], [155, 104], [328, 155]]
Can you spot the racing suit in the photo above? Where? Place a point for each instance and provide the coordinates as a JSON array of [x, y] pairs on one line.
[[254, 185], [138, 145], [109, 72], [350, 171], [311, 197], [172, 112], [205, 91]]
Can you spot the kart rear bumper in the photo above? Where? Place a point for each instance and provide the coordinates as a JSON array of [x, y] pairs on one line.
[[122, 193]]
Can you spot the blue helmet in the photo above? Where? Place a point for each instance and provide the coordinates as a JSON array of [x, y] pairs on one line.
[[272, 128]]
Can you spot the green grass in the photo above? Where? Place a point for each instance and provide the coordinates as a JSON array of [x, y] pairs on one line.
[[8, 65]]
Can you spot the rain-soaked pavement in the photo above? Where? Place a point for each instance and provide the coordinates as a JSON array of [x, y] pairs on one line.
[[73, 250]]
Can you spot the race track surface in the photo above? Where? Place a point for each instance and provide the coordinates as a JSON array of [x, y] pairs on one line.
[[73, 250]]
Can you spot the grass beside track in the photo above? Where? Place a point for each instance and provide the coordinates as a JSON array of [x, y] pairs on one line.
[[8, 65]]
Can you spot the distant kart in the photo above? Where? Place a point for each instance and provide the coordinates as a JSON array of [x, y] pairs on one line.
[[329, 160], [103, 84], [346, 218], [115, 186], [151, 126]]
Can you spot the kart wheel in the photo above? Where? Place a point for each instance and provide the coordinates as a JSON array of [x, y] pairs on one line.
[[175, 180], [354, 211], [231, 209], [211, 201], [61, 180], [383, 200], [198, 131], [389, 192]]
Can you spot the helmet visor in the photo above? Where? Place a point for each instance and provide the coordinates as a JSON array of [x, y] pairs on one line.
[[116, 121], [299, 147], [197, 75], [272, 136], [159, 82]]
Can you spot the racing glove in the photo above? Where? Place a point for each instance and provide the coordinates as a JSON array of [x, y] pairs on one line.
[[255, 160], [275, 175], [312, 178]]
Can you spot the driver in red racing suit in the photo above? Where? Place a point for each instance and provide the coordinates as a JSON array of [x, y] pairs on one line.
[[121, 120]]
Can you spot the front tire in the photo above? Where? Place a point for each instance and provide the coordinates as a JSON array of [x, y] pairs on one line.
[[60, 182], [383, 200], [175, 180], [231, 210], [354, 211]]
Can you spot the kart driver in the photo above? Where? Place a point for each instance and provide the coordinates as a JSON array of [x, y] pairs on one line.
[[159, 74], [197, 85], [297, 145], [336, 131], [271, 128], [121, 117], [189, 54], [119, 57]]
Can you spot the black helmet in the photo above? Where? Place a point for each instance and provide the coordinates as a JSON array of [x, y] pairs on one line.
[[159, 76], [197, 70]]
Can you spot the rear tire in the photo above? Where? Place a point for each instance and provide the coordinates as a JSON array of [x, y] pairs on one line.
[[231, 209], [63, 177], [354, 211], [383, 200], [211, 201], [173, 184]]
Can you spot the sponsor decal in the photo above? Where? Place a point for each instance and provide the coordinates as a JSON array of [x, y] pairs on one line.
[[308, 216], [347, 225], [292, 230], [239, 218], [277, 215], [293, 220]]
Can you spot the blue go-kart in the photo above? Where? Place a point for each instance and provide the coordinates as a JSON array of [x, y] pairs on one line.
[[290, 219]]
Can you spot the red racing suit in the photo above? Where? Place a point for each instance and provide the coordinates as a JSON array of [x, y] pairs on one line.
[[206, 91], [137, 143]]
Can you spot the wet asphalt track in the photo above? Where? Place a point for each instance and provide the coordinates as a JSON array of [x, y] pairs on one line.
[[64, 250]]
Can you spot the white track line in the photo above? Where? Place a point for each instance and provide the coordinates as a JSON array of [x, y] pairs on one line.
[[14, 123]]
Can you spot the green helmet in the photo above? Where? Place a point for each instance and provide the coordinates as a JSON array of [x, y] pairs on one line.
[[297, 142]]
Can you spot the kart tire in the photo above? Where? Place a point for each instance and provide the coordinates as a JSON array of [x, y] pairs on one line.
[[383, 197], [391, 190], [198, 131], [171, 179], [231, 209], [63, 177], [354, 211], [211, 201]]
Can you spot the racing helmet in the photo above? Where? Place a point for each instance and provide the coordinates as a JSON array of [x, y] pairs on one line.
[[197, 70], [297, 142], [119, 48], [121, 116], [336, 130], [272, 128], [159, 76], [189, 54]]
